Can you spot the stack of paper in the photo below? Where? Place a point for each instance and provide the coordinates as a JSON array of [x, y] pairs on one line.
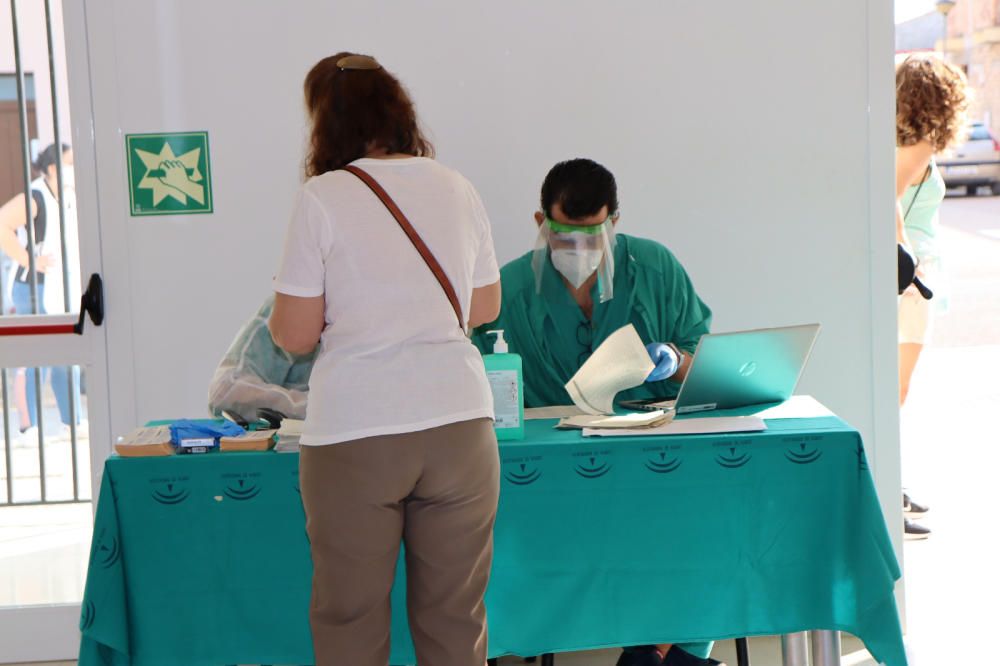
[[256, 440], [624, 421], [289, 434], [621, 362], [149, 441]]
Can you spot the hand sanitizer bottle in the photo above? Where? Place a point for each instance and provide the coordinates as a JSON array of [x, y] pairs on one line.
[[503, 370]]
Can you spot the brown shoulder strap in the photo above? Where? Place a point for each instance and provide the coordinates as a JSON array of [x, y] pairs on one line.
[[414, 237]]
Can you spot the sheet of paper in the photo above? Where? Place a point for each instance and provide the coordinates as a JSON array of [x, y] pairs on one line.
[[147, 436], [620, 363], [796, 407], [555, 412], [251, 436], [703, 426], [637, 420], [291, 427]]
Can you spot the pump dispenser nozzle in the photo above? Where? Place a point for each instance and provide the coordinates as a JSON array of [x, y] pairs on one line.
[[500, 346]]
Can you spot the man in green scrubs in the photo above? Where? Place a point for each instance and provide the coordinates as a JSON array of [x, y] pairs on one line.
[[583, 282]]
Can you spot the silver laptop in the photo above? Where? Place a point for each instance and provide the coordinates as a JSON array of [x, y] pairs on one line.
[[745, 368]]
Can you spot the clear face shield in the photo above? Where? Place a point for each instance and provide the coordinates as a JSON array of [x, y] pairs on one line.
[[577, 252]]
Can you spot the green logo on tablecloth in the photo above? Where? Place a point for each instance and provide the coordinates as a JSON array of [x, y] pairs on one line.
[[87, 614], [108, 551], [663, 465], [169, 174], [594, 468], [241, 489], [168, 492], [862, 460], [733, 460], [800, 456], [521, 474]]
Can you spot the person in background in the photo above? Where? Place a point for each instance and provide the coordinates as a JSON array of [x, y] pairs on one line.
[[255, 372], [398, 441], [581, 283], [931, 103], [50, 229]]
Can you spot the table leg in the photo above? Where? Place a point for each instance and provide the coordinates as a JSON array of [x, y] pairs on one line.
[[548, 659], [795, 649], [825, 648]]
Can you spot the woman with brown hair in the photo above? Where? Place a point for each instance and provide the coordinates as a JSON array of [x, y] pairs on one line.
[[931, 101], [398, 443]]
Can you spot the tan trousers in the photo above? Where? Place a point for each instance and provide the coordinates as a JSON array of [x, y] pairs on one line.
[[435, 489]]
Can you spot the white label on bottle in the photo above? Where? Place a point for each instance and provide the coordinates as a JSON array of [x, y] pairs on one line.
[[506, 403]]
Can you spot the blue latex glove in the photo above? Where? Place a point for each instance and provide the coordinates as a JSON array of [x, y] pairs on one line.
[[186, 429], [666, 359]]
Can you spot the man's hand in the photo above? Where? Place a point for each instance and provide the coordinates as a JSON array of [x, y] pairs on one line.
[[667, 361]]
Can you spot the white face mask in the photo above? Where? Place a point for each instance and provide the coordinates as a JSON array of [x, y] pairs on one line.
[[576, 265]]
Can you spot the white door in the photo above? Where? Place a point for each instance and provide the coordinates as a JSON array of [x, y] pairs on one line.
[[53, 383]]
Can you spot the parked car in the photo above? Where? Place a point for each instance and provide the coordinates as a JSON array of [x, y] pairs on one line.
[[974, 163]]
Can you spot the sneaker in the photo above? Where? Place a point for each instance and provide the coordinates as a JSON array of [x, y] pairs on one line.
[[678, 657], [914, 531], [913, 510], [27, 439], [63, 432]]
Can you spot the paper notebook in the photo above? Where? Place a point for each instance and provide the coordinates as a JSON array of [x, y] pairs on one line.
[[626, 421]]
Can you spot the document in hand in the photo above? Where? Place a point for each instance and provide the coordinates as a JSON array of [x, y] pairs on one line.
[[620, 363]]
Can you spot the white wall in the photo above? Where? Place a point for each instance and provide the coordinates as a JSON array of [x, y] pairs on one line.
[[754, 139]]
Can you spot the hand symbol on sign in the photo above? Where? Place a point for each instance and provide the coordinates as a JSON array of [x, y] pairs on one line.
[[175, 175]]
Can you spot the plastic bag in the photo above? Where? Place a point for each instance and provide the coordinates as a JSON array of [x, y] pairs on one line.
[[187, 429], [255, 372]]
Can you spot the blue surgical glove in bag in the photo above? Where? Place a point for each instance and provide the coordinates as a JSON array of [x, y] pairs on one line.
[[187, 430]]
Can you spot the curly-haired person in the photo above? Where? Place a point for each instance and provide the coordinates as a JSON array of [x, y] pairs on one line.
[[931, 103]]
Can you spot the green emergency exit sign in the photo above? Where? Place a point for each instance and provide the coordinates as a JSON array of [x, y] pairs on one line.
[[169, 174]]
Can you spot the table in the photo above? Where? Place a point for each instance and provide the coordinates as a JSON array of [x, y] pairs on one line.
[[203, 560]]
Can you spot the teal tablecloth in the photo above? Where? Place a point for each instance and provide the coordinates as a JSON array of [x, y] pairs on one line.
[[203, 560]]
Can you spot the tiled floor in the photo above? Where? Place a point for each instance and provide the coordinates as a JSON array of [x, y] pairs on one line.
[[951, 452], [44, 549]]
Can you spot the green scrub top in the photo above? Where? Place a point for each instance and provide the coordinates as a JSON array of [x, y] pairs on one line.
[[652, 291]]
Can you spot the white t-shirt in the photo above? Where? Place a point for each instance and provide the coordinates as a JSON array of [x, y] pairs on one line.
[[392, 357]]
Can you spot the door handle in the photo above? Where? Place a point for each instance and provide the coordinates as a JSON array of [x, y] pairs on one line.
[[91, 303]]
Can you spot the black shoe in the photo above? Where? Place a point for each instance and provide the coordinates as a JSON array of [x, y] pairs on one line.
[[914, 531], [640, 655], [913, 510], [678, 657]]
